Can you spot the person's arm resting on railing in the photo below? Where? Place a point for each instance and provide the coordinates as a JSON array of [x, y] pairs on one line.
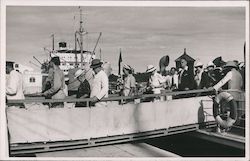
[[223, 81]]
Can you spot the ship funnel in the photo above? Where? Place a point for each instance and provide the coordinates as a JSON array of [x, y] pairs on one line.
[[62, 45]]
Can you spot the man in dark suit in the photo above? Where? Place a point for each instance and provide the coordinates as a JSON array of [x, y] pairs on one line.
[[186, 77], [201, 77]]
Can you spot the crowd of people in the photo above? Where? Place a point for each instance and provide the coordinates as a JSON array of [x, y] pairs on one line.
[[91, 81], [229, 75]]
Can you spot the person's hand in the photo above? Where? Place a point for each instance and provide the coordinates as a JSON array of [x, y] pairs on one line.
[[95, 99], [186, 89]]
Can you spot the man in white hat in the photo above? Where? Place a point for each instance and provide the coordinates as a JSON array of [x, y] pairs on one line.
[[212, 75], [233, 77], [156, 81], [129, 81], [200, 77], [84, 88], [210, 65], [100, 85]]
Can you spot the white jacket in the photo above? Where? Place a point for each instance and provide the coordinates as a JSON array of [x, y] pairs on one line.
[[14, 86], [100, 85]]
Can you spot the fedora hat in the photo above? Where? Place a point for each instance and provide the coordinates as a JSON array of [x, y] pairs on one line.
[[78, 73], [150, 68], [218, 62], [96, 63], [231, 64]]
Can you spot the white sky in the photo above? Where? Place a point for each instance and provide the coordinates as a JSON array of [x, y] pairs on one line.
[[144, 34]]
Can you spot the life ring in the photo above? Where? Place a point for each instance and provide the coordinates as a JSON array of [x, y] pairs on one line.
[[217, 106]]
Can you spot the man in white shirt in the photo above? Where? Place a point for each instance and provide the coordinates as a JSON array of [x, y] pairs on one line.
[[233, 77], [14, 86], [100, 85]]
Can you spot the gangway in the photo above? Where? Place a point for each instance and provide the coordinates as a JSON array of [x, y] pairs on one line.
[[228, 139], [38, 129]]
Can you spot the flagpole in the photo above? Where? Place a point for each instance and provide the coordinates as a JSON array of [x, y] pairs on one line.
[[119, 63]]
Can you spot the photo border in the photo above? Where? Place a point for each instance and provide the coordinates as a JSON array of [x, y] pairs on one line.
[[6, 3]]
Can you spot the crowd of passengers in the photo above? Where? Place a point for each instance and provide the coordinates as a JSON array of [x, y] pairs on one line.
[[91, 81]]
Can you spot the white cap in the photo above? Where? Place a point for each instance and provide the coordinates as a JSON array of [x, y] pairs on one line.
[[197, 64]]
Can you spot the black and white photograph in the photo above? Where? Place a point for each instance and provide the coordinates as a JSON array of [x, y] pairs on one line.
[[124, 80]]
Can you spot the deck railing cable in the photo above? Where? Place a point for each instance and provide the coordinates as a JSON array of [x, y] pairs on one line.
[[116, 98]]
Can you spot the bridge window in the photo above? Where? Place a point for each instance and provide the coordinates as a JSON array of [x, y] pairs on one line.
[[32, 79]]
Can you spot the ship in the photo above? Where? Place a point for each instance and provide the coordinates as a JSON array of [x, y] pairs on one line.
[[77, 57]]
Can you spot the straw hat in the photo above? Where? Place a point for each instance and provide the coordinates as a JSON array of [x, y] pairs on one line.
[[78, 73], [150, 68]]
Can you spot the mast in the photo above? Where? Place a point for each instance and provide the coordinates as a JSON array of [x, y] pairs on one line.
[[76, 49], [81, 30]]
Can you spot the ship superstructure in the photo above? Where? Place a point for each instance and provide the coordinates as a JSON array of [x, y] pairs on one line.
[[77, 57], [71, 58]]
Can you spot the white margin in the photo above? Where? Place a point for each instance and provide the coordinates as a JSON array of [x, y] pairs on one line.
[[5, 3]]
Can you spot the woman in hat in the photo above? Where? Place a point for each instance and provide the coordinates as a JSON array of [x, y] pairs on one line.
[[129, 81], [156, 81], [100, 85], [57, 83]]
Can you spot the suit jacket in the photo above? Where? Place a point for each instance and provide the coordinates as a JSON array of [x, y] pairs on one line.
[[204, 83], [186, 80]]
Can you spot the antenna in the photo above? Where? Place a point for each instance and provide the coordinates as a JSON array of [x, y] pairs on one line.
[[34, 64], [37, 60]]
